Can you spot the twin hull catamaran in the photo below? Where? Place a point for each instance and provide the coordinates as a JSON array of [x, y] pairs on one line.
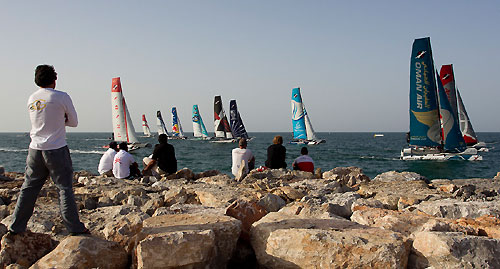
[[145, 127], [176, 126], [222, 128], [434, 131], [199, 130], [303, 132], [123, 129]]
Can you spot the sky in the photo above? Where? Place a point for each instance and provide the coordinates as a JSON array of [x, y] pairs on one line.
[[350, 59]]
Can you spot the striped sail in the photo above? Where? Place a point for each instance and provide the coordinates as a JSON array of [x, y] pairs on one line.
[[452, 137], [221, 125], [160, 124], [448, 80], [465, 124], [425, 127], [298, 115], [176, 124], [123, 129], [199, 129], [145, 126], [237, 127]]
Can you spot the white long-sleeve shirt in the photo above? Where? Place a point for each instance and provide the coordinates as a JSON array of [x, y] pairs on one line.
[[50, 112]]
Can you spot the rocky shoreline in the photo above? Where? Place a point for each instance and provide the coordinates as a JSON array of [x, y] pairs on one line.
[[269, 219]]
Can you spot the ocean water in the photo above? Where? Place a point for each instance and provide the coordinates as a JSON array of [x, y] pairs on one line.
[[374, 155]]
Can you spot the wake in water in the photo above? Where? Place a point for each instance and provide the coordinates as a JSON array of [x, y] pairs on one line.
[[13, 150], [97, 139], [86, 151]]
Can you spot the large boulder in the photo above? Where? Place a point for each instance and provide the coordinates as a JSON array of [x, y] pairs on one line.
[[212, 239], [271, 202], [115, 223], [454, 250], [349, 176], [81, 252], [247, 212], [455, 209], [399, 176], [289, 241], [25, 248]]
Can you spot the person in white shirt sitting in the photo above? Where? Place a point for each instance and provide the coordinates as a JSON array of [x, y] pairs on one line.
[[244, 156], [106, 163], [124, 165]]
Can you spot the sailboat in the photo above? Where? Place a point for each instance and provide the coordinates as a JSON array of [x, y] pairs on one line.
[[303, 132], [177, 132], [237, 127], [222, 128], [434, 131], [160, 124], [145, 127], [448, 79], [199, 130], [123, 129]]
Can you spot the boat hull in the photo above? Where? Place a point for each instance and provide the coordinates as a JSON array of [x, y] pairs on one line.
[[307, 142], [433, 154]]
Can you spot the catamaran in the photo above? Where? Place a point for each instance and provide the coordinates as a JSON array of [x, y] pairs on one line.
[[434, 131], [199, 130], [123, 129], [237, 127], [145, 127], [177, 132], [303, 132], [448, 79], [222, 128], [160, 124]]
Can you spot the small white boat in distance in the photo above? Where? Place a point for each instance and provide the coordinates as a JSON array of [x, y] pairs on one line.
[[378, 135]]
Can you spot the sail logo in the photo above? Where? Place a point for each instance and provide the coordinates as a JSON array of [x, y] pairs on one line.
[[420, 54], [196, 118], [38, 105]]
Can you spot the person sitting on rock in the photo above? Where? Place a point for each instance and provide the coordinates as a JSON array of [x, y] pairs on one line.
[[106, 163], [124, 165], [242, 157], [276, 154], [163, 161], [304, 162]]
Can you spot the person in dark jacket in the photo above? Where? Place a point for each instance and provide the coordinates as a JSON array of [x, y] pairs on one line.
[[163, 161], [276, 154]]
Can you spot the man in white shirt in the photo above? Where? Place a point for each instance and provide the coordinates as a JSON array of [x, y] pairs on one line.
[[124, 165], [48, 154], [105, 167], [240, 156]]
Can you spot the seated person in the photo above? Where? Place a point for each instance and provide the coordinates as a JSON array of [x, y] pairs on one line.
[[303, 162], [124, 165], [242, 154], [105, 167], [276, 154], [163, 161]]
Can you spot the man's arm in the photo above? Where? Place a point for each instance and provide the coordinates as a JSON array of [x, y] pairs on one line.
[[70, 113]]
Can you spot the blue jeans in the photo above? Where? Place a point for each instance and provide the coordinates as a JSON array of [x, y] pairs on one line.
[[40, 164]]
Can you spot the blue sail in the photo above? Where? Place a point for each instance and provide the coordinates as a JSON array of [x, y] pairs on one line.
[[452, 136], [176, 129], [237, 127], [298, 122], [425, 128], [199, 129]]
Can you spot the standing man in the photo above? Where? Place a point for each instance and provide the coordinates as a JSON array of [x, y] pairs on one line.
[[163, 161], [106, 163], [242, 156], [48, 154], [124, 165]]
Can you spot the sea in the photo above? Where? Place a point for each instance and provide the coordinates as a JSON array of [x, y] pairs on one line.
[[374, 155]]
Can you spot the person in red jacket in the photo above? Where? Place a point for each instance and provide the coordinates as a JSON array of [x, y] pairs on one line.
[[304, 162]]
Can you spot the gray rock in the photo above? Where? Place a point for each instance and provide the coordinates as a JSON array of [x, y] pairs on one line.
[[399, 176], [271, 202]]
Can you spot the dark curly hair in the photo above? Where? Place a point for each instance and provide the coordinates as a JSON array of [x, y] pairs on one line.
[[45, 75]]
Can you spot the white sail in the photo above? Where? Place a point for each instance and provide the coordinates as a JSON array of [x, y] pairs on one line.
[[159, 126], [309, 128], [123, 129], [465, 124]]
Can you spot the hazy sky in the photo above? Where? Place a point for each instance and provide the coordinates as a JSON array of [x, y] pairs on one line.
[[350, 58]]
